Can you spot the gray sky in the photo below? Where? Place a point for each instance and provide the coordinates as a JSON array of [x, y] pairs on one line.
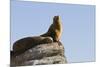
[[78, 37]]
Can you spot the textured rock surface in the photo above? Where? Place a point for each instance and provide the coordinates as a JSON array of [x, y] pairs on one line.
[[50, 53]]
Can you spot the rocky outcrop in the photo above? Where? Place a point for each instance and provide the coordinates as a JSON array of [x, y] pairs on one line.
[[49, 53]]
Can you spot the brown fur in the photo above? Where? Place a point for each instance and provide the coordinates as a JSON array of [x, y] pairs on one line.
[[26, 43], [55, 29]]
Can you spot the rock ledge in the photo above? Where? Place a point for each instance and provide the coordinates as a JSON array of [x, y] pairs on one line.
[[50, 53]]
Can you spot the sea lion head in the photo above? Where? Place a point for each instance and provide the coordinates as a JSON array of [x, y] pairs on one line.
[[56, 18]]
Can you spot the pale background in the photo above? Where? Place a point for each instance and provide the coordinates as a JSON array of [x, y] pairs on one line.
[[4, 36], [78, 38]]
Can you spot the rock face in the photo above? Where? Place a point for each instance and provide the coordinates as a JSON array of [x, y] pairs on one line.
[[50, 53]]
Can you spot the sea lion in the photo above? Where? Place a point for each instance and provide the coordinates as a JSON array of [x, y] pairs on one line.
[[55, 30]]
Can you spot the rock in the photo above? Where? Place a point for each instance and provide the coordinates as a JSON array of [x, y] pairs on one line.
[[42, 54]]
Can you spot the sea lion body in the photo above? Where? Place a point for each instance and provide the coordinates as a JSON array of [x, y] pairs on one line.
[[26, 43], [55, 30]]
